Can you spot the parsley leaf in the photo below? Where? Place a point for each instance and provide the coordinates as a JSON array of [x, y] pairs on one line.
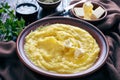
[[10, 26]]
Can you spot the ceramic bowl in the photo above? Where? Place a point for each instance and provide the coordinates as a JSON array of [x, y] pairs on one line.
[[95, 5], [96, 33], [27, 11], [49, 6]]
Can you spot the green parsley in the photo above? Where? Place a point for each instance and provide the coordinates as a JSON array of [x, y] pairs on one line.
[[10, 26]]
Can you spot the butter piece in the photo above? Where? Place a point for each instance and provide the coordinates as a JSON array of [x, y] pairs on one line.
[[68, 43], [87, 8], [79, 11], [78, 52], [98, 12]]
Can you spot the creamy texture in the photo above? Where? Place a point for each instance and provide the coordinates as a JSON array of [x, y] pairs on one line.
[[61, 48]]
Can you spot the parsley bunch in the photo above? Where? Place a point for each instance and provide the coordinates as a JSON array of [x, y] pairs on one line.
[[10, 26]]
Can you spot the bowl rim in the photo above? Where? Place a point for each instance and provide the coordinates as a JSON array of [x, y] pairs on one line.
[[22, 57], [58, 1], [95, 2]]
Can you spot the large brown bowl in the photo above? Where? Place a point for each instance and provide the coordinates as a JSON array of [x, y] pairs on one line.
[[96, 33]]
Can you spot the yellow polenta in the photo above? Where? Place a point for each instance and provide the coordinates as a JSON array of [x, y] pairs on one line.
[[61, 48]]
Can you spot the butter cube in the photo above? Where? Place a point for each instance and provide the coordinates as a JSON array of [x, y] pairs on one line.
[[79, 11], [78, 52], [98, 12]]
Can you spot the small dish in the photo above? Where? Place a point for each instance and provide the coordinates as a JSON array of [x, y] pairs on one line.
[[49, 5], [28, 11], [95, 5]]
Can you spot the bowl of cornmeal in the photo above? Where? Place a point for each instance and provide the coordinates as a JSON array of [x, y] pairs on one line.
[[60, 47]]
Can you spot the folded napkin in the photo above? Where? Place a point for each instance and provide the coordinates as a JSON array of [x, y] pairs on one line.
[[7, 48], [11, 68]]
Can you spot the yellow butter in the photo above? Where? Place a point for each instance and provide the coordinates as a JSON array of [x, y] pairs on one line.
[[88, 8]]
